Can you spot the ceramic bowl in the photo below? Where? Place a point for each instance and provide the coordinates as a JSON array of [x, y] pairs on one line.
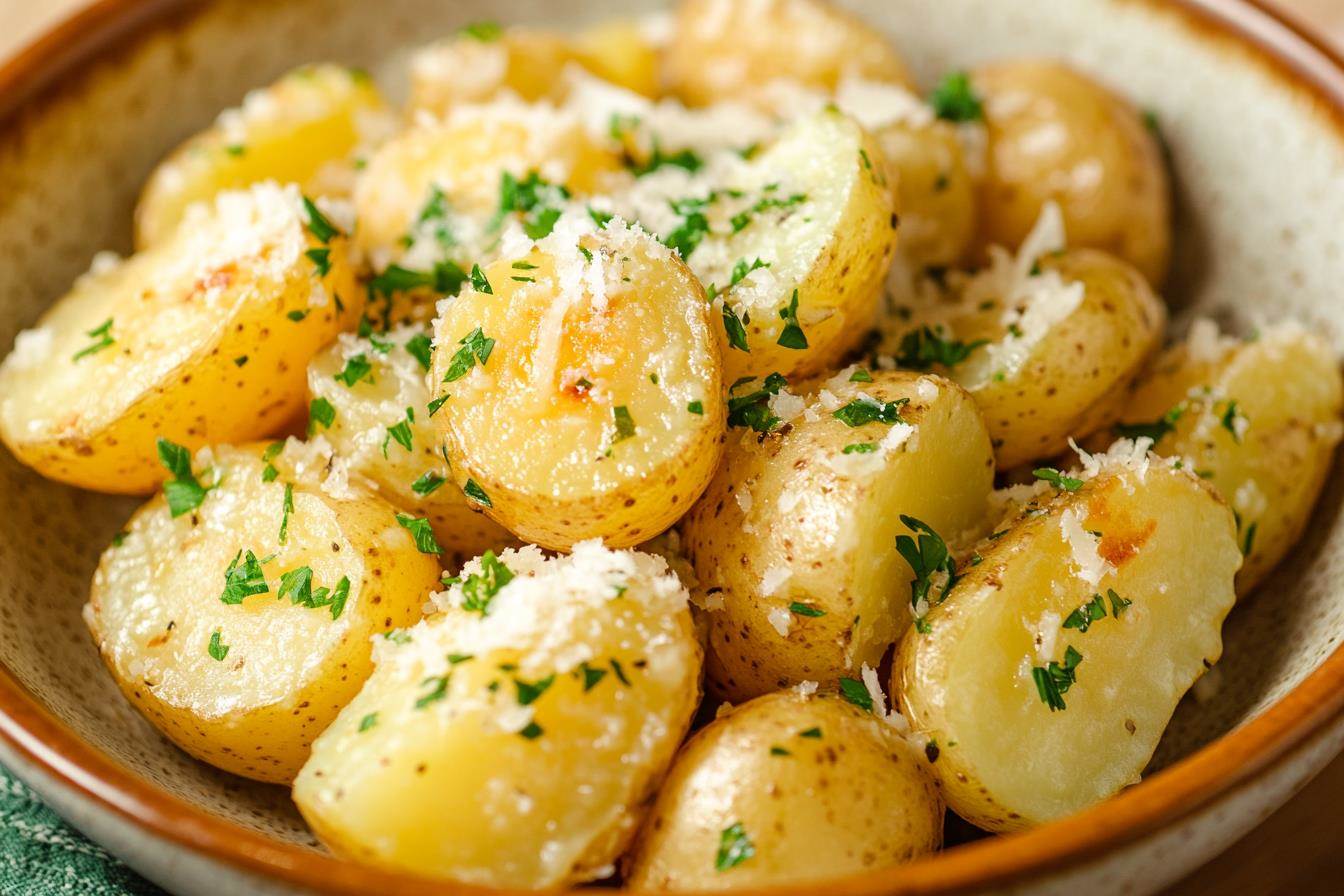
[[1254, 113]]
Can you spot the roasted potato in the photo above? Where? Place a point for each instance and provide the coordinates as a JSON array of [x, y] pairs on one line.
[[1056, 135], [517, 739], [1071, 637], [1260, 420], [796, 534], [784, 789], [235, 610], [200, 339], [308, 128], [580, 388]]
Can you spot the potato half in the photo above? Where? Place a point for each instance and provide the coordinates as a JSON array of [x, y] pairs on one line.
[[784, 789], [796, 535], [515, 740], [241, 625], [200, 339]]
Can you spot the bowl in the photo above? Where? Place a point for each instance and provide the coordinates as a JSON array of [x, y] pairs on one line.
[[1253, 111]]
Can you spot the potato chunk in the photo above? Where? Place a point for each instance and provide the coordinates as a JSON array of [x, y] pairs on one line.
[[201, 339], [785, 789], [1072, 639], [240, 626], [935, 192], [797, 532], [307, 128], [1260, 420], [582, 396], [515, 740]]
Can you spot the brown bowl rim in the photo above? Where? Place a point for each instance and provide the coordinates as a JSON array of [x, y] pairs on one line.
[[106, 28]]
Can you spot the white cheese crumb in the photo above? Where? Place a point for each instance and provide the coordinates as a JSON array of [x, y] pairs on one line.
[[1045, 636], [773, 578], [780, 618], [805, 688], [32, 349], [1083, 546]]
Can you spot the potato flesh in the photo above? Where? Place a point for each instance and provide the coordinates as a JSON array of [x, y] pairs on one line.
[[155, 606], [454, 789], [852, 796], [968, 683], [547, 449]]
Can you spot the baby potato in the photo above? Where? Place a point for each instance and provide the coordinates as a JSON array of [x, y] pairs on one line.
[[370, 401], [200, 339], [305, 129], [580, 388], [517, 739], [623, 53], [1260, 420], [1072, 639], [797, 533], [236, 610], [784, 789], [1057, 135], [727, 50], [935, 192]]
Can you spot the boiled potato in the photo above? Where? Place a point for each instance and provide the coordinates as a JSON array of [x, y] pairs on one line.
[[369, 399], [1057, 135], [796, 534], [517, 739], [1071, 637], [307, 129], [623, 53], [725, 49], [582, 394], [934, 190], [784, 789], [236, 610], [201, 339], [1259, 420]]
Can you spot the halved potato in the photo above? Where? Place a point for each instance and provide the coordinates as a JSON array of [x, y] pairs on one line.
[[200, 339], [1071, 637], [239, 621], [370, 399], [582, 395], [796, 534], [515, 740], [785, 789], [1260, 420], [307, 129]]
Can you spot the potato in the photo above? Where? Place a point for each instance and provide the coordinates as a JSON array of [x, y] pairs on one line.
[[934, 190], [796, 534], [238, 620], [515, 740], [582, 394], [201, 339], [724, 49], [369, 400], [1260, 420], [622, 52], [307, 128], [1056, 135], [784, 789], [1071, 638]]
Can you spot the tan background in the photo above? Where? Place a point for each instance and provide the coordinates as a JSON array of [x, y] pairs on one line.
[[1300, 849]]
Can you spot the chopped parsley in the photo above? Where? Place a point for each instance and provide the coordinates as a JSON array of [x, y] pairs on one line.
[[428, 483], [321, 259], [243, 579], [479, 281], [753, 409], [102, 336], [792, 335], [696, 407], [473, 491], [480, 588], [320, 412], [864, 410], [482, 31], [922, 348], [694, 226], [420, 530], [801, 609], [625, 424], [856, 692], [928, 556], [420, 347], [1157, 430], [445, 277], [1053, 680], [183, 492], [437, 690], [955, 99], [735, 847], [536, 199], [529, 691], [287, 507], [734, 327], [217, 649], [476, 347], [686, 159], [860, 376], [860, 448], [1090, 612], [1057, 479], [812, 733], [368, 722], [356, 368], [1230, 419], [591, 677], [401, 432], [317, 223], [269, 473]]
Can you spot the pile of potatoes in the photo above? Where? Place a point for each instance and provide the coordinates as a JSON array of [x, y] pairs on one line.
[[636, 382]]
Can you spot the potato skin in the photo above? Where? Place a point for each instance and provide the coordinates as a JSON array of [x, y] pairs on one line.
[[790, 519], [935, 193], [1055, 134], [155, 604], [854, 797]]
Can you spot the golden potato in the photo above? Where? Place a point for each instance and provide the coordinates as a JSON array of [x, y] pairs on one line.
[[1057, 135], [517, 739], [580, 388], [1260, 420], [236, 610], [369, 399], [725, 49], [1071, 637], [623, 53], [307, 128], [935, 193], [796, 535], [784, 789], [201, 339]]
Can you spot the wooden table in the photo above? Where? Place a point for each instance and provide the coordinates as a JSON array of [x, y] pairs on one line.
[[1300, 849]]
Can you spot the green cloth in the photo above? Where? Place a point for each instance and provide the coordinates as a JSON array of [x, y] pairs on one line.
[[42, 855]]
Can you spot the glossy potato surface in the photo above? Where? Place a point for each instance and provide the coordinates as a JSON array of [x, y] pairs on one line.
[[935, 192]]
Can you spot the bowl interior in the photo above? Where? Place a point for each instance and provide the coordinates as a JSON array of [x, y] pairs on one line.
[[1257, 160]]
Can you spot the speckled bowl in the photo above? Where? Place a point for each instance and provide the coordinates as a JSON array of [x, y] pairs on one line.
[[1255, 115]]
